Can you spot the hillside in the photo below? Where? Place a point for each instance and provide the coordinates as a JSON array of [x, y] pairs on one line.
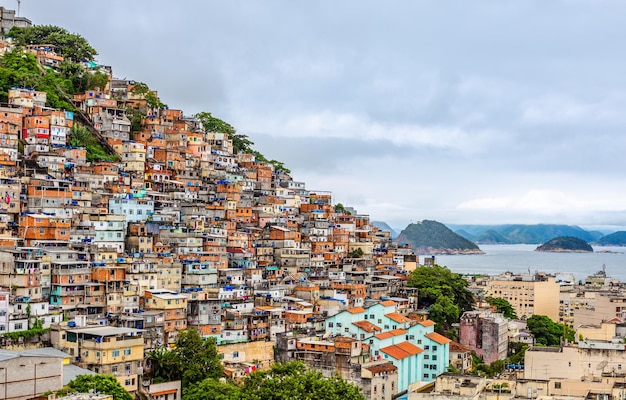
[[527, 234], [566, 244], [492, 237], [432, 237], [614, 239]]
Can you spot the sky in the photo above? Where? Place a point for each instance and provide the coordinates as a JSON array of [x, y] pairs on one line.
[[464, 112]]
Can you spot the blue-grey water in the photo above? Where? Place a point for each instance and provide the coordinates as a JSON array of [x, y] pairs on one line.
[[520, 258]]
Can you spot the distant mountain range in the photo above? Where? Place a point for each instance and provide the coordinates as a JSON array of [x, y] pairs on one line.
[[522, 234]]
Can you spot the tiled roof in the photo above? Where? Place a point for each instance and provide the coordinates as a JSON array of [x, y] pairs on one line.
[[388, 303], [367, 326], [438, 338], [399, 318], [386, 367], [355, 310], [427, 323], [401, 350], [391, 333], [456, 347]]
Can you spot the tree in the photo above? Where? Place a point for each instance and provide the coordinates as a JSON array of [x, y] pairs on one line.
[[546, 332], [106, 384], [444, 312], [435, 281], [197, 357], [294, 380], [502, 306], [163, 365], [212, 389], [71, 46], [213, 124], [152, 100]]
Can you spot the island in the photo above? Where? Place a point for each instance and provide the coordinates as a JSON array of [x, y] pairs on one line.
[[432, 237], [566, 244]]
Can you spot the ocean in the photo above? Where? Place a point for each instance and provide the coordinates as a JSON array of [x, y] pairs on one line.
[[520, 258]]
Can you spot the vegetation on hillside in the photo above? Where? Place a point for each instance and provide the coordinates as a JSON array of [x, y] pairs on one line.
[[105, 384], [492, 237], [614, 239], [71, 46], [565, 244], [445, 294], [529, 234], [192, 360], [81, 137], [429, 237], [547, 332], [502, 306], [292, 380]]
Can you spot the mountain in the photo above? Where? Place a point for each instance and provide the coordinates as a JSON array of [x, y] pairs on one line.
[[566, 244], [466, 235], [432, 237], [614, 239], [383, 226], [529, 234], [492, 237]]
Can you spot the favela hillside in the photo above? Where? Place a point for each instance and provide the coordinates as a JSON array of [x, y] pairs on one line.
[[147, 253]]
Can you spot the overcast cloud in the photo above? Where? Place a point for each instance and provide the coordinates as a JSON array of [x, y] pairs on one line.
[[489, 111]]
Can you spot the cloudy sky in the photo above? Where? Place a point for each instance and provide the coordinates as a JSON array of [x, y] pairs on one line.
[[488, 111]]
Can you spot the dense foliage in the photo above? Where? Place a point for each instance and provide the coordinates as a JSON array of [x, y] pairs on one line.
[[192, 360], [445, 294], [106, 384], [502, 306], [71, 46], [566, 243], [81, 137], [432, 235], [293, 380], [547, 332], [614, 239]]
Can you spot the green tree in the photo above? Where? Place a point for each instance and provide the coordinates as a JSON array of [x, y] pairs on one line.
[[294, 380], [444, 312], [547, 332], [212, 389], [213, 124], [198, 358], [70, 45], [502, 306], [163, 365], [435, 281], [152, 100], [106, 384]]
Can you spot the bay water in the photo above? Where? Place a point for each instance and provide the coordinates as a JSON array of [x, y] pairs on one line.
[[521, 258]]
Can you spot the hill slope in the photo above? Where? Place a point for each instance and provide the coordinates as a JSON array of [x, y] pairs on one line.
[[385, 227], [614, 239], [566, 244], [528, 234], [492, 237], [432, 237]]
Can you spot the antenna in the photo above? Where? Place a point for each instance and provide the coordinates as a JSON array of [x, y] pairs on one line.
[[19, 3]]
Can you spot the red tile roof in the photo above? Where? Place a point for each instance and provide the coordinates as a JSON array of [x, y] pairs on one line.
[[367, 326], [387, 367], [355, 310], [401, 350], [438, 338], [388, 303], [426, 323], [456, 347], [399, 318], [391, 333]]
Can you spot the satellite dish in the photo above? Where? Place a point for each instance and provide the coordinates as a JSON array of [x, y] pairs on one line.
[[602, 365]]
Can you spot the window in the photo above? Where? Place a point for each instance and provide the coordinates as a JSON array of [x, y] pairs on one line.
[[127, 351], [425, 376], [434, 358], [426, 357], [115, 353], [434, 348], [557, 385], [18, 325], [114, 368]]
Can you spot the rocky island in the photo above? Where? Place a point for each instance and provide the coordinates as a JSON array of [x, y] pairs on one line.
[[432, 237], [566, 244]]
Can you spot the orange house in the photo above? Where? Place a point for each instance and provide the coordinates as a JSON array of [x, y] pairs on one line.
[[33, 227]]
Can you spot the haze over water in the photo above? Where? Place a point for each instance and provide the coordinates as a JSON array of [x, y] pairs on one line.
[[519, 258]]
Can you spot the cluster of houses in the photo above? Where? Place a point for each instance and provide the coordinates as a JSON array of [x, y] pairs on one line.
[[182, 232]]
